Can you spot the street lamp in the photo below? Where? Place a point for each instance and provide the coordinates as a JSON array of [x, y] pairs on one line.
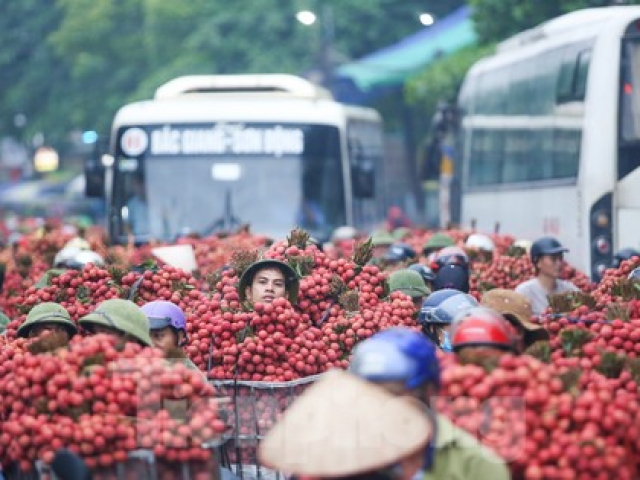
[[427, 19], [306, 17]]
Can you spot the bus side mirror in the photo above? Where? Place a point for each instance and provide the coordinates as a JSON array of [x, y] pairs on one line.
[[94, 180], [363, 181]]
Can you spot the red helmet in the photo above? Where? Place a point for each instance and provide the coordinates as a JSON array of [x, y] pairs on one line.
[[451, 256], [483, 327]]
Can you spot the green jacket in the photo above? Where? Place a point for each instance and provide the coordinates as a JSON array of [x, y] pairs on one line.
[[189, 364], [186, 361], [459, 456]]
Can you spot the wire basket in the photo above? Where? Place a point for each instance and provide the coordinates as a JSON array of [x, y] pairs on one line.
[[251, 410]]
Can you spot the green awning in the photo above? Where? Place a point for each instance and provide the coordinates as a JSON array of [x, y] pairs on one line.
[[394, 64]]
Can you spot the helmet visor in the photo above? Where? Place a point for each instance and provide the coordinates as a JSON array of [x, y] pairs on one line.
[[382, 362], [158, 323], [452, 307]]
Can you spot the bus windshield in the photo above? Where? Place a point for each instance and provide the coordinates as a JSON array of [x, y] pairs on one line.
[[161, 196]]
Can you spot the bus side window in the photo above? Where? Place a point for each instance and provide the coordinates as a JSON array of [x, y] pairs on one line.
[[362, 171], [572, 79], [566, 79], [582, 72]]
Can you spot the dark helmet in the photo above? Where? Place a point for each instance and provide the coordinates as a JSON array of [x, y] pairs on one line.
[[425, 272], [399, 252], [622, 255], [452, 276], [546, 246], [451, 256]]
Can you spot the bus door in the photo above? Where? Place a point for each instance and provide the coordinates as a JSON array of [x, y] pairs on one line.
[[627, 194], [365, 159]]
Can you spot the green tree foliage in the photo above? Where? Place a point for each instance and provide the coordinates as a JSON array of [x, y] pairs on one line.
[[442, 79], [70, 64], [31, 75], [496, 20]]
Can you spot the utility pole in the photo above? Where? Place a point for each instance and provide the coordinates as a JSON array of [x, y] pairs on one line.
[[326, 46]]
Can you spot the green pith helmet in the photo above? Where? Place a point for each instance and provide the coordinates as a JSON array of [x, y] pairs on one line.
[[408, 282], [47, 312], [400, 233], [121, 315], [438, 241], [291, 280], [381, 238]]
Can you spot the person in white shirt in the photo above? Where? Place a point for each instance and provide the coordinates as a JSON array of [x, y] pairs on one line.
[[547, 257]]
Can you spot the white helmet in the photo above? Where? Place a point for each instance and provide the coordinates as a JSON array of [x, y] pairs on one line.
[[524, 244], [478, 241], [65, 255], [88, 256], [77, 243], [76, 258], [344, 233]]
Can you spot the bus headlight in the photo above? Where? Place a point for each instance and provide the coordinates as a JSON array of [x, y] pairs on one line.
[[601, 235], [601, 219], [107, 160]]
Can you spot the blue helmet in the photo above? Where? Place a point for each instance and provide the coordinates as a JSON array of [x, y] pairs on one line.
[[397, 354], [442, 306], [635, 274], [622, 255], [433, 301]]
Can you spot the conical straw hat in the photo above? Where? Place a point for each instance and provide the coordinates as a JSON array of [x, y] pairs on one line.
[[179, 256], [341, 426]]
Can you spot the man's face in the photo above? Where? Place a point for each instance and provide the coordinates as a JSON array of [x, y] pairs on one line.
[[550, 265], [345, 247], [423, 394], [441, 329], [45, 328], [379, 251], [268, 284], [476, 355], [518, 330], [396, 388], [97, 329], [417, 302], [166, 338]]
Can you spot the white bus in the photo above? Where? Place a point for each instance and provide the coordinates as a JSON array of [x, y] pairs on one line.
[[211, 153], [551, 135]]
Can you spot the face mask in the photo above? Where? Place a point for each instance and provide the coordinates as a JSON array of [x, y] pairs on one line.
[[446, 343]]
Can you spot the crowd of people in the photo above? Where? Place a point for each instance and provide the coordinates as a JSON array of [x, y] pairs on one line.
[[392, 376]]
